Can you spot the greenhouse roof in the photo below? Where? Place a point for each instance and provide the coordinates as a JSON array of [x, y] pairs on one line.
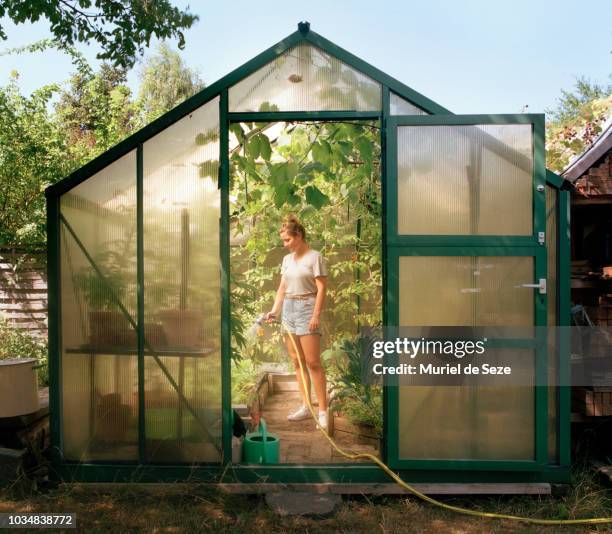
[[218, 88]]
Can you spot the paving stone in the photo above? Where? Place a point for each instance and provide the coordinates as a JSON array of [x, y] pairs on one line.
[[303, 503], [301, 441]]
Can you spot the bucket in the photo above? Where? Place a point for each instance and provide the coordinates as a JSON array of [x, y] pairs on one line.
[[260, 447], [18, 387]]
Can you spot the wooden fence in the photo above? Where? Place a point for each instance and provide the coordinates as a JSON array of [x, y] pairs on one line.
[[23, 288]]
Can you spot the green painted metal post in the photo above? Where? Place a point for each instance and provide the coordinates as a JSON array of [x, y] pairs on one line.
[[54, 327], [564, 280], [140, 297], [226, 334], [386, 110]]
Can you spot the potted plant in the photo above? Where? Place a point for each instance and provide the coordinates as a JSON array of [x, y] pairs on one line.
[[108, 326], [360, 402]]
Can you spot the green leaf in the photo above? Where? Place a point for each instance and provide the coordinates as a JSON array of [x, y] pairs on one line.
[[291, 170], [346, 147], [253, 147], [321, 154], [264, 147], [281, 194], [277, 174], [364, 145], [315, 197], [313, 166], [293, 199], [209, 168], [237, 130]]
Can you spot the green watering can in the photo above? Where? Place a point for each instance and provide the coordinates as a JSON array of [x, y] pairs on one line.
[[260, 447]]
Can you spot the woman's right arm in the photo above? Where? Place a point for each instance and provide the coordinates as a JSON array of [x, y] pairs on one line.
[[278, 301]]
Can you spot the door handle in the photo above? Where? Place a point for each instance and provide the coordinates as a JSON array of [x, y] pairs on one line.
[[541, 286]]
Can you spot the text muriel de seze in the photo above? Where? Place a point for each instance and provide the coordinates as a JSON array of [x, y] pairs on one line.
[[411, 348]]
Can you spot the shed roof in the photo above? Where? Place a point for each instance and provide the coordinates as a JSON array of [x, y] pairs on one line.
[[591, 156]]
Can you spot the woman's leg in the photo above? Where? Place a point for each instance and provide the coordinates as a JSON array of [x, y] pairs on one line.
[[311, 345], [304, 387]]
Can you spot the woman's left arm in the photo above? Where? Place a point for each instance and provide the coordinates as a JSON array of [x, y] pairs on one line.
[[321, 282]]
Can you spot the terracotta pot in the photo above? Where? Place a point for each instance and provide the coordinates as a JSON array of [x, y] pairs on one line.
[[183, 328], [110, 328]]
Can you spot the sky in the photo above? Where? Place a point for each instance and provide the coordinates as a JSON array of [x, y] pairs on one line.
[[470, 56]]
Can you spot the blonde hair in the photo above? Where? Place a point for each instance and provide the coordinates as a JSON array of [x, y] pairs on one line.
[[293, 226]]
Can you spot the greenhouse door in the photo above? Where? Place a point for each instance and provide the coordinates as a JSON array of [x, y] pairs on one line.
[[465, 246]]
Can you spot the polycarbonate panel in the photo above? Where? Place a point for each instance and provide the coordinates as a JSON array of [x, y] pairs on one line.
[[306, 78], [182, 290], [465, 180], [99, 363], [400, 106], [476, 422], [552, 243], [466, 423], [466, 291]]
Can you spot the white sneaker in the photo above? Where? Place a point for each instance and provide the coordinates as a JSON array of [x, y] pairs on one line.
[[323, 420], [302, 413]]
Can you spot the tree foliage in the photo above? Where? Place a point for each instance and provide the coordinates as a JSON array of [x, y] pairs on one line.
[[96, 111], [576, 122], [33, 151], [57, 129], [122, 28], [179, 83]]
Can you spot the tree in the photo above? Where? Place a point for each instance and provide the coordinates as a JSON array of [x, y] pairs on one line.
[[96, 111], [41, 143], [570, 105], [122, 28], [32, 156], [576, 122], [179, 83]]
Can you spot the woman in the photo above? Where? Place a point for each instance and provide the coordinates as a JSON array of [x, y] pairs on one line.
[[301, 295]]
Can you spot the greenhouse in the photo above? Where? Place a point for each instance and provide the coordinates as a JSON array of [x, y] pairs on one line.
[[164, 250]]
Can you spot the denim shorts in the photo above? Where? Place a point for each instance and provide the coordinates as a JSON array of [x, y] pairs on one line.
[[296, 316]]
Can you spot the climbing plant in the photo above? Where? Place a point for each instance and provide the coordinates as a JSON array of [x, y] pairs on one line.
[[328, 174]]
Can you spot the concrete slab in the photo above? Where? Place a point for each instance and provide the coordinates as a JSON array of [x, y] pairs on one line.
[[303, 503]]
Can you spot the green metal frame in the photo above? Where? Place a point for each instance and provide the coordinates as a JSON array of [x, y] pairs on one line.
[[54, 328], [452, 245], [394, 254], [563, 313], [141, 302], [539, 177], [398, 245], [224, 235], [225, 471], [290, 474]]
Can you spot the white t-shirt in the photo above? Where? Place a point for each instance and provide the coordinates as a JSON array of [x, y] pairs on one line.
[[300, 274]]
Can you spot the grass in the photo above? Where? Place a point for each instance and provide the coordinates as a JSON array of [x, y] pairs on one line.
[[192, 507]]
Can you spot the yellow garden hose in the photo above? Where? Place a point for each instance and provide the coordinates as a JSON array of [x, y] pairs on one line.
[[422, 496]]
